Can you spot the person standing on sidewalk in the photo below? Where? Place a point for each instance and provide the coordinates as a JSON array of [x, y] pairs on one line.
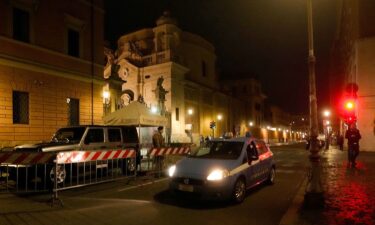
[[353, 136], [340, 142], [158, 142]]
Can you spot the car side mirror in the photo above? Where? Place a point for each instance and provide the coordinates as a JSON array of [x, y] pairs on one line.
[[252, 158]]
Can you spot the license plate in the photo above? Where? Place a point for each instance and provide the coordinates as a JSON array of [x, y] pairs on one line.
[[185, 187]]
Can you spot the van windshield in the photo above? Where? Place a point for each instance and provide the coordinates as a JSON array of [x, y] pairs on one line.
[[219, 150], [69, 135]]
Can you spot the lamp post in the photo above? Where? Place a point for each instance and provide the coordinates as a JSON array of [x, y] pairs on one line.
[[314, 194], [189, 128], [326, 126]]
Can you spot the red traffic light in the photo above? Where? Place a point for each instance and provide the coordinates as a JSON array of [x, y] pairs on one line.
[[350, 119], [349, 105]]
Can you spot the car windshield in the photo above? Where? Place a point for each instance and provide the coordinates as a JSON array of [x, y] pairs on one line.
[[69, 135], [219, 150]]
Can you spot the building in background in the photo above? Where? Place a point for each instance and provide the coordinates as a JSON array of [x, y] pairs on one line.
[[249, 92], [186, 63], [51, 67], [353, 60]]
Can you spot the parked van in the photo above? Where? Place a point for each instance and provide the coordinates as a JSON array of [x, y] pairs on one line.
[[79, 138]]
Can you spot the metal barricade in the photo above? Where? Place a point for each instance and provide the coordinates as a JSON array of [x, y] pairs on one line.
[[159, 159], [34, 172], [25, 171]]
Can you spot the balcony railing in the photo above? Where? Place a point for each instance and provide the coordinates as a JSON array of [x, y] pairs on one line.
[[157, 58]]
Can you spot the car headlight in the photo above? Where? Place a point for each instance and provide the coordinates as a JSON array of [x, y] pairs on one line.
[[171, 170], [217, 175]]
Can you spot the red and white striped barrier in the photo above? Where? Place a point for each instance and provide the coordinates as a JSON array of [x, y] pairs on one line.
[[26, 158], [169, 151], [86, 156], [32, 158]]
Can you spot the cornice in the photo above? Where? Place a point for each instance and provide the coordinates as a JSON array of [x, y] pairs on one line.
[[10, 61], [49, 51]]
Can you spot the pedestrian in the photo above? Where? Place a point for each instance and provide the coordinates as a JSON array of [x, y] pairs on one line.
[[158, 142], [353, 136], [340, 142], [307, 146], [158, 139], [201, 140]]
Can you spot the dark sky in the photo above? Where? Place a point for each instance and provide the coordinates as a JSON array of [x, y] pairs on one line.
[[264, 38]]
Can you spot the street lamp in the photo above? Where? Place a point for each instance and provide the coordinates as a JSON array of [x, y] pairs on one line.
[[251, 124], [154, 109], [314, 192], [106, 101], [219, 118], [326, 113]]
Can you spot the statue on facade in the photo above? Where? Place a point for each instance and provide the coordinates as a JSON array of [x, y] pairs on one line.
[[112, 62], [141, 99], [160, 93]]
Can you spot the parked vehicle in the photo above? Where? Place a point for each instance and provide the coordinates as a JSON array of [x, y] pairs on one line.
[[224, 169], [78, 138]]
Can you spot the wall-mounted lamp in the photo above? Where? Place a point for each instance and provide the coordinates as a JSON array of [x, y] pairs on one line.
[[190, 111], [154, 109]]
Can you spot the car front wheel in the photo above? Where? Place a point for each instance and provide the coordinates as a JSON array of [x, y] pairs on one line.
[[239, 190]]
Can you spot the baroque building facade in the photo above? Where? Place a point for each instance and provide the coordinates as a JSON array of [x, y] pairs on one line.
[[187, 64], [51, 67], [353, 60]]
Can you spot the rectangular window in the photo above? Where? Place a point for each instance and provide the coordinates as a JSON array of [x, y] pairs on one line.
[[114, 135], [21, 25], [129, 134], [257, 106], [73, 112], [20, 107], [204, 69], [262, 148], [73, 43], [177, 114], [95, 135]]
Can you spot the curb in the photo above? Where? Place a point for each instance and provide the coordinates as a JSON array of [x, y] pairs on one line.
[[291, 216]]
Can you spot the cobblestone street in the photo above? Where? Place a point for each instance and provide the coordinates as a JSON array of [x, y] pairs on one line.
[[349, 192]]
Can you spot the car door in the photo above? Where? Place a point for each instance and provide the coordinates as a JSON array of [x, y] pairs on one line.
[[252, 173], [94, 139], [114, 141], [264, 160]]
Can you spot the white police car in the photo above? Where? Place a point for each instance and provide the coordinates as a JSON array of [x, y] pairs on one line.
[[224, 169]]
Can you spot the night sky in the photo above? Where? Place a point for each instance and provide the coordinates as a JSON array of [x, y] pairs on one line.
[[266, 39]]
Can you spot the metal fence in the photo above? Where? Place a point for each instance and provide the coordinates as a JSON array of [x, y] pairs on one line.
[[158, 160], [36, 172]]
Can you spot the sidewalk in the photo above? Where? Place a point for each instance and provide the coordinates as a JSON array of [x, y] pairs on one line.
[[349, 193]]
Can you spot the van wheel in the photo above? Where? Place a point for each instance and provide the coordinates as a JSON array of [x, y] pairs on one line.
[[271, 176], [131, 165], [60, 174], [239, 190]]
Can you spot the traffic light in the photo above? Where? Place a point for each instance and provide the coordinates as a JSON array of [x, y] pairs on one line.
[[212, 124], [349, 104], [350, 119]]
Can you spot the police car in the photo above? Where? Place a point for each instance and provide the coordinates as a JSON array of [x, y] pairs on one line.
[[224, 169]]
